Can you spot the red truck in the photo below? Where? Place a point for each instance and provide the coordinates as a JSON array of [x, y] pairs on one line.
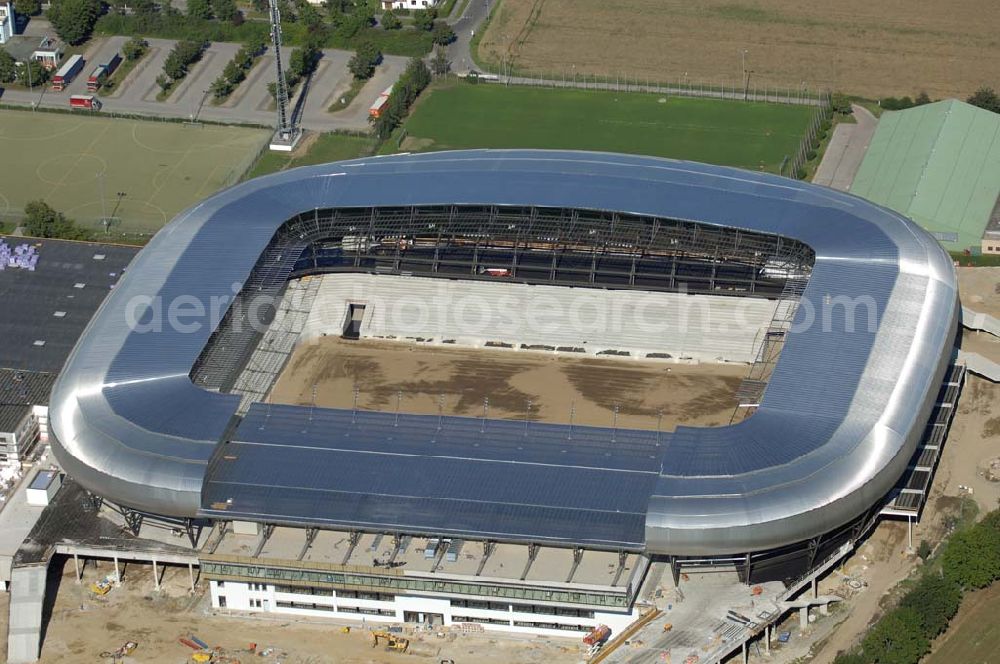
[[67, 73], [101, 73], [86, 102]]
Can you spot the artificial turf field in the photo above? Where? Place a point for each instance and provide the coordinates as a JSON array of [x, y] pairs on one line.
[[463, 115], [162, 167]]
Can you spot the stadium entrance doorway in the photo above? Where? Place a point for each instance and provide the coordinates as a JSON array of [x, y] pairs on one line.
[[352, 324]]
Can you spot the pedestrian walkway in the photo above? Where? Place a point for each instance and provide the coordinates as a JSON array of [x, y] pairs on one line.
[[846, 149]]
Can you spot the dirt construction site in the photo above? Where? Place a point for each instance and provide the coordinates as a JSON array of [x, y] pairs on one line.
[[872, 49], [543, 387]]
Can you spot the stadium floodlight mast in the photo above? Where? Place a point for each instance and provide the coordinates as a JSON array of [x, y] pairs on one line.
[[287, 134]]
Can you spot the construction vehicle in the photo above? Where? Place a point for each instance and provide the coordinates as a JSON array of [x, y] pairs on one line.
[[104, 586], [121, 652], [392, 642], [599, 634]]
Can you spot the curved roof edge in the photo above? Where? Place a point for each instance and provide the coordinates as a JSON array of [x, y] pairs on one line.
[[842, 413]]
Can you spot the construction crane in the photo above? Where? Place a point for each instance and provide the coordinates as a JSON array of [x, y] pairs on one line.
[[287, 134], [392, 642]]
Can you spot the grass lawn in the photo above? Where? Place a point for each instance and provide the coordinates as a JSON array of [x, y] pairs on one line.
[[162, 167], [320, 150], [458, 115]]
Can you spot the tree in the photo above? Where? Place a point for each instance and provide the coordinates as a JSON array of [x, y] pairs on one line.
[[8, 67], [922, 98], [262, 6], [28, 7], [40, 220], [924, 550], [897, 638], [32, 73], [390, 21], [443, 34], [363, 64], [163, 81], [423, 19], [74, 19], [225, 10], [986, 98], [303, 61], [935, 600], [971, 558], [440, 64], [135, 48], [199, 9], [850, 658]]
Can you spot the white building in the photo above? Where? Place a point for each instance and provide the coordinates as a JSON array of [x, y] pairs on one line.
[[408, 580], [408, 4], [7, 22]]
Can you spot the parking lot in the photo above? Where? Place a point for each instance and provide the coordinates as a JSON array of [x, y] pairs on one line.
[[250, 103]]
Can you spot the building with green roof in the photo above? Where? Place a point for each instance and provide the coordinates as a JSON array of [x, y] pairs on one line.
[[938, 164]]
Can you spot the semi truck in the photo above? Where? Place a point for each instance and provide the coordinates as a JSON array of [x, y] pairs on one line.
[[101, 73], [86, 102], [67, 73]]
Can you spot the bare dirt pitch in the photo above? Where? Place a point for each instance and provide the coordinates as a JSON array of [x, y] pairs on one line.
[[874, 49], [697, 395]]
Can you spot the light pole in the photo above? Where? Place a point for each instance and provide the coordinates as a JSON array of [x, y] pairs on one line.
[[746, 74]]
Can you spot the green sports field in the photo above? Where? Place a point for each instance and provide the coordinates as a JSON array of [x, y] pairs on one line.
[[462, 115], [161, 167]]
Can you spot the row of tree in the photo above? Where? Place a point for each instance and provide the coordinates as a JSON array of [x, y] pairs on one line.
[[184, 54], [971, 560], [301, 64], [236, 69], [41, 220], [415, 78], [223, 10]]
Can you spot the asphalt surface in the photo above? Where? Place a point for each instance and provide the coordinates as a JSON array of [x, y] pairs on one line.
[[249, 104], [845, 151], [471, 20]]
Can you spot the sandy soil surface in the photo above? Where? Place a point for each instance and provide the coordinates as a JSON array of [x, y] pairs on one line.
[[983, 343], [868, 48], [461, 379], [84, 626], [980, 289]]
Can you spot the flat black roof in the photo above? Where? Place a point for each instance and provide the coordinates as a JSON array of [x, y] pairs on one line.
[[43, 312], [19, 391]]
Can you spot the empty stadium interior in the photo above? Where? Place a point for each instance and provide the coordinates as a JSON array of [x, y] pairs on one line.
[[655, 320]]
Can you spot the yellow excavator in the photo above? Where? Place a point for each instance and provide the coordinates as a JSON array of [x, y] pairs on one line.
[[392, 642]]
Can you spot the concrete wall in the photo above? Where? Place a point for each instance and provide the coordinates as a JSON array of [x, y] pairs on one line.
[[705, 328]]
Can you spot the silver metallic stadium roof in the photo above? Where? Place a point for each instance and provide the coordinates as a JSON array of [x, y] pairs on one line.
[[838, 422]]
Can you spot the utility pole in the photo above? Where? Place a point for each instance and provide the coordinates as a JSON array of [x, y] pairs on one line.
[[287, 134]]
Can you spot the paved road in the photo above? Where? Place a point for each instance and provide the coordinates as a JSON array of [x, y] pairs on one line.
[[471, 20], [193, 90], [847, 148]]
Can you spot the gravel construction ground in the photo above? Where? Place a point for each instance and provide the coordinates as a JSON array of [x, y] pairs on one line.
[[873, 49], [161, 167], [754, 136], [460, 379], [83, 626]]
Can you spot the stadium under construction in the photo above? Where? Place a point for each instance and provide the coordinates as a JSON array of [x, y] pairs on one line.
[[845, 312]]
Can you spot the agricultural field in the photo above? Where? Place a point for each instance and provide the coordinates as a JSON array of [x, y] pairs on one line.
[[460, 115], [161, 167], [873, 49]]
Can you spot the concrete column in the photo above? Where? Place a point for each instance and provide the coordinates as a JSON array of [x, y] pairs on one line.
[[156, 577], [76, 564], [824, 609], [767, 640], [118, 576], [745, 653], [815, 587], [191, 575], [803, 618]]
